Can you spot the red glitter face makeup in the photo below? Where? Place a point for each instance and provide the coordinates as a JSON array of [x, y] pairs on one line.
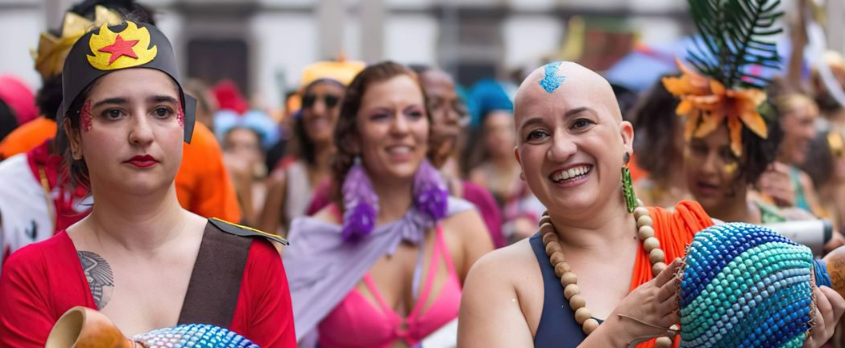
[[180, 115], [86, 117]]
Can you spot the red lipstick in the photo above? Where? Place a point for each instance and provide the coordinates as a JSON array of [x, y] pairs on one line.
[[142, 161]]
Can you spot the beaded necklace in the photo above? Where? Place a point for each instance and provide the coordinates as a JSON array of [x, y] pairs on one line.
[[569, 280]]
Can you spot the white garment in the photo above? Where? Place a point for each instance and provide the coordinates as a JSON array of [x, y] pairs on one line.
[[26, 218], [298, 194]]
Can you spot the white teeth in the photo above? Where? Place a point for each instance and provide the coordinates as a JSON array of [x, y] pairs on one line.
[[399, 150], [571, 173]]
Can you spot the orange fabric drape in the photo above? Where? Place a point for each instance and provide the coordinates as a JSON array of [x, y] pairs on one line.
[[675, 230]]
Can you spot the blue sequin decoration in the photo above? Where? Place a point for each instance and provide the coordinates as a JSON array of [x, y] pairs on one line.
[[745, 286], [194, 336], [551, 81]]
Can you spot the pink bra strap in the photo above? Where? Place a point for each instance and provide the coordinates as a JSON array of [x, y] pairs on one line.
[[439, 249], [441, 244], [371, 285]]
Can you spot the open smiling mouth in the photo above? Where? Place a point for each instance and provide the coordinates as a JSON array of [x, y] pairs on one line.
[[571, 174]]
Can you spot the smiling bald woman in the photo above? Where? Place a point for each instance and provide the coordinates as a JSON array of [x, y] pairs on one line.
[[571, 145]]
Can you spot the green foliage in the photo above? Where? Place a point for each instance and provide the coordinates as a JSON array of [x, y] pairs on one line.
[[734, 35]]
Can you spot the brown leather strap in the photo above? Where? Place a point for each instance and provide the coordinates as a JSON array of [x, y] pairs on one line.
[[216, 279]]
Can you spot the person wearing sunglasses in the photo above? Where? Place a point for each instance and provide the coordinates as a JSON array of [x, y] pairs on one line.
[[292, 184]]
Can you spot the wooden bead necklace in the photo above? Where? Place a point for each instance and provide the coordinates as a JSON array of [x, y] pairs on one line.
[[569, 280]]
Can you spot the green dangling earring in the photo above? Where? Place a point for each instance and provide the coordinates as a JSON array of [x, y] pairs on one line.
[[628, 186]]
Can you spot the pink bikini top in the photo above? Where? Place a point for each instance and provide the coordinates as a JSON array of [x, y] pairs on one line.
[[356, 323]]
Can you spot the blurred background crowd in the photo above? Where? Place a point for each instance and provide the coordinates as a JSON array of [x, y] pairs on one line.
[[270, 76]]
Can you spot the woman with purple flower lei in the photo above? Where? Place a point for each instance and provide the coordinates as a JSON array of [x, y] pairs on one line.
[[384, 265]]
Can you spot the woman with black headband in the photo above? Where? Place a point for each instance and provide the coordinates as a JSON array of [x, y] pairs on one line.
[[139, 258]]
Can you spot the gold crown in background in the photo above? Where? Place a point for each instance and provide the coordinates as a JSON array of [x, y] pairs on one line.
[[52, 51]]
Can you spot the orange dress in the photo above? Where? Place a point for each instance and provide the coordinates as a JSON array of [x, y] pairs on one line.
[[203, 185]]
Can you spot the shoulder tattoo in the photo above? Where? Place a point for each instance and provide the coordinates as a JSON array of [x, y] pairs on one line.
[[99, 275]]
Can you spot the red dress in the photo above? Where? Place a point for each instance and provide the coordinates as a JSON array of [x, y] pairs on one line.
[[41, 281]]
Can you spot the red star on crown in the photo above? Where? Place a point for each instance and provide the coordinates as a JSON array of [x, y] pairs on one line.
[[120, 48]]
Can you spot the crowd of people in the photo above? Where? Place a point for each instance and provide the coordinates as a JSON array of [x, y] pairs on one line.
[[387, 203]]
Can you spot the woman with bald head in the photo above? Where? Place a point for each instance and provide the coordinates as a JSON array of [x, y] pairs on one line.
[[601, 272]]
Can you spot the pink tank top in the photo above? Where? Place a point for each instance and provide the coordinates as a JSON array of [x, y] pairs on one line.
[[356, 323]]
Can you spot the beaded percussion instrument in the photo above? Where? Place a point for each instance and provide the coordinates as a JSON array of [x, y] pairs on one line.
[[746, 286], [82, 327]]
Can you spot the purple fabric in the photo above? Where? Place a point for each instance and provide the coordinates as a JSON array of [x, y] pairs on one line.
[[361, 204], [322, 269], [430, 192], [488, 209], [474, 193]]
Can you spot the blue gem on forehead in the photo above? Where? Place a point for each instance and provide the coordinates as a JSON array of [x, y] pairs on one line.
[[551, 81]]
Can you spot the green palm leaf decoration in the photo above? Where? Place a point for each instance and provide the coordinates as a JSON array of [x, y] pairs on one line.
[[735, 34]]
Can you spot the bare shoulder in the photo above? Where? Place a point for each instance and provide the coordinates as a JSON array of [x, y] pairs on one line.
[[463, 222], [195, 224], [510, 278], [512, 264]]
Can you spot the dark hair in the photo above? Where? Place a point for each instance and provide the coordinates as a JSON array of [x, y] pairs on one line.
[[625, 97], [77, 169], [820, 160], [419, 69], [760, 153], [303, 145], [49, 96], [655, 124], [128, 9], [346, 130], [8, 121]]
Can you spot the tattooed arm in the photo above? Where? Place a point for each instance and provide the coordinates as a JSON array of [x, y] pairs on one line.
[[99, 275]]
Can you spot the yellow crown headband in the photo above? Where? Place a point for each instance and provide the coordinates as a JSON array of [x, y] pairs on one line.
[[834, 142], [52, 51], [341, 70], [706, 103]]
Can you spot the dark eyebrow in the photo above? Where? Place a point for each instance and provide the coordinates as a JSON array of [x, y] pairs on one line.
[[577, 111], [530, 121], [570, 113], [162, 99], [118, 101]]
